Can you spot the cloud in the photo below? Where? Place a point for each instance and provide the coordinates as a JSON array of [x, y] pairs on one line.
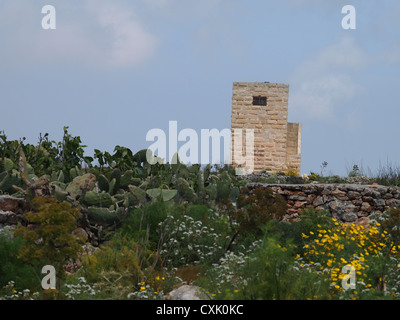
[[325, 82], [129, 42], [96, 33]]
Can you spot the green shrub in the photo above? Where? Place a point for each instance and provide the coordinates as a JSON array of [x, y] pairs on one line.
[[198, 237], [310, 219], [144, 224], [48, 236], [253, 210], [113, 268], [275, 277], [13, 269]]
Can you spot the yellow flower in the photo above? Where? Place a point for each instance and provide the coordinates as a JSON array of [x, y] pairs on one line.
[[157, 278], [236, 291], [142, 289]]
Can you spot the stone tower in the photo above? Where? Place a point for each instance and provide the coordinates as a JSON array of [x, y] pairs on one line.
[[263, 108]]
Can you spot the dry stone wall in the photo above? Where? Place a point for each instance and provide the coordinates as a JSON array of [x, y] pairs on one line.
[[11, 209], [346, 202]]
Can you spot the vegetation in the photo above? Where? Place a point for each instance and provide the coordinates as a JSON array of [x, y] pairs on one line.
[[116, 227]]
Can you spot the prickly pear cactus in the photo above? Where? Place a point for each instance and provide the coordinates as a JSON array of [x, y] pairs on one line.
[[9, 180], [6, 165], [116, 174], [79, 183], [102, 216], [74, 172], [128, 179], [103, 183], [224, 186], [162, 194], [138, 195], [112, 186], [185, 190], [140, 157], [99, 199]]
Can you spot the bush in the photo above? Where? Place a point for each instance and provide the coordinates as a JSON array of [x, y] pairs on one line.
[[143, 224], [13, 269], [275, 276], [200, 236], [266, 270], [371, 252], [310, 219], [114, 267], [48, 236]]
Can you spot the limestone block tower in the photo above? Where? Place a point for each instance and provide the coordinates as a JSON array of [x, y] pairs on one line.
[[263, 107]]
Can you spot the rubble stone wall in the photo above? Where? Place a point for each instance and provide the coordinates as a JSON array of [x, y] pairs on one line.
[[346, 202]]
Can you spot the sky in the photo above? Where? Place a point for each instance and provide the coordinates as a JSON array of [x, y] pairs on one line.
[[113, 70]]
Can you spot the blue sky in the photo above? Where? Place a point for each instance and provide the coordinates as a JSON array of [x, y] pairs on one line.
[[113, 70]]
